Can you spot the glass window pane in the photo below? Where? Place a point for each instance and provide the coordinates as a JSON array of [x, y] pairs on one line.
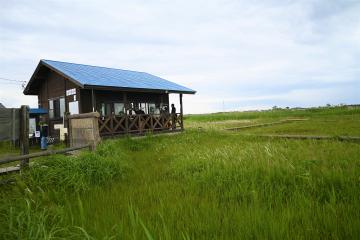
[[56, 108], [51, 104], [102, 109], [108, 109], [142, 108], [152, 108], [62, 107], [51, 113], [51, 109], [119, 108]]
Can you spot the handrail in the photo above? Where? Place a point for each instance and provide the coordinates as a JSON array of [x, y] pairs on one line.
[[124, 115], [125, 124], [40, 154]]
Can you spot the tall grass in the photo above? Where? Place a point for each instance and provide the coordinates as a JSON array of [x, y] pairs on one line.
[[35, 207], [206, 184]]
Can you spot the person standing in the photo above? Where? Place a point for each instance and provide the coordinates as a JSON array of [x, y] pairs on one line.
[[43, 135], [173, 116]]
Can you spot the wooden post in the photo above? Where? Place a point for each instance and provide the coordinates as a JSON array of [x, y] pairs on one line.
[[112, 116], [67, 120], [65, 98], [24, 134], [152, 122], [140, 124], [181, 112], [126, 114], [93, 100]]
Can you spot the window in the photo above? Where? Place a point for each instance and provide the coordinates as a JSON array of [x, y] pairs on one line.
[[152, 108], [105, 109], [74, 107], [143, 108], [62, 107], [56, 108], [51, 109], [119, 108]]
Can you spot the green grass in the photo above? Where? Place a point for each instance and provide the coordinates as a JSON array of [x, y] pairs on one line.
[[201, 184], [346, 126]]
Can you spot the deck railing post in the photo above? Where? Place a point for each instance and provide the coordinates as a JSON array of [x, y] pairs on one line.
[[112, 123], [140, 124], [126, 113], [126, 123], [181, 112], [24, 134], [152, 122]]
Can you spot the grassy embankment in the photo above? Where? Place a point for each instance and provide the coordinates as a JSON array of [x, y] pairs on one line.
[[205, 184]]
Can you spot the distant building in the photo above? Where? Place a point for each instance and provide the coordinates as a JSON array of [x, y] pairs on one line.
[[2, 106]]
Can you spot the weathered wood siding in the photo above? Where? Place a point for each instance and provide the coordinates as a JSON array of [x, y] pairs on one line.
[[53, 86], [9, 124]]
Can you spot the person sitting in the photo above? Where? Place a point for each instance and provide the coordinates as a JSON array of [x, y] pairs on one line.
[[139, 111]]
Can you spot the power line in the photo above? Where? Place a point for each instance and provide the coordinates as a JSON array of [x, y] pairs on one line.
[[11, 80]]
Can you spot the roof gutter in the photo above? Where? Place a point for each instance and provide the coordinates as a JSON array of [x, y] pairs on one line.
[[149, 90]]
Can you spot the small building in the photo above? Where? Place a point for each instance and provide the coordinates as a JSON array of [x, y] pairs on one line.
[[128, 101]]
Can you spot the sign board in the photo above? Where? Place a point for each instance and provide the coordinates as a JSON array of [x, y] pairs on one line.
[[62, 129], [32, 126], [70, 92], [37, 134]]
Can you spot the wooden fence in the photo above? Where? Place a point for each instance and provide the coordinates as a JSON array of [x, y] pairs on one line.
[[41, 154], [139, 124], [9, 124], [18, 119]]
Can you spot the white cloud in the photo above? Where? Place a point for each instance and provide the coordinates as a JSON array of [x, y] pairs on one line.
[[226, 49]]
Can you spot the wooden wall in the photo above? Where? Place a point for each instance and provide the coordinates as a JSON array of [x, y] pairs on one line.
[[53, 86]]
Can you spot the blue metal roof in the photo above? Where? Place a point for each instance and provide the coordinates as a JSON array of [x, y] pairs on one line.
[[38, 111], [111, 77]]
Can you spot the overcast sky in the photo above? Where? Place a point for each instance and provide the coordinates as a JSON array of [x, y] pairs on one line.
[[236, 54]]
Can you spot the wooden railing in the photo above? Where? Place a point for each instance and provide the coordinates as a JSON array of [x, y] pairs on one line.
[[139, 123], [26, 158]]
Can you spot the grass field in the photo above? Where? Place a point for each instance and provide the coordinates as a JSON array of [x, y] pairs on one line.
[[205, 183]]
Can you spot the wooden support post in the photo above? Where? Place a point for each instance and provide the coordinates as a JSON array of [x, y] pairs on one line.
[[93, 100], [68, 124], [112, 116], [24, 135], [65, 97], [152, 122], [140, 124], [181, 112], [65, 119], [126, 114]]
